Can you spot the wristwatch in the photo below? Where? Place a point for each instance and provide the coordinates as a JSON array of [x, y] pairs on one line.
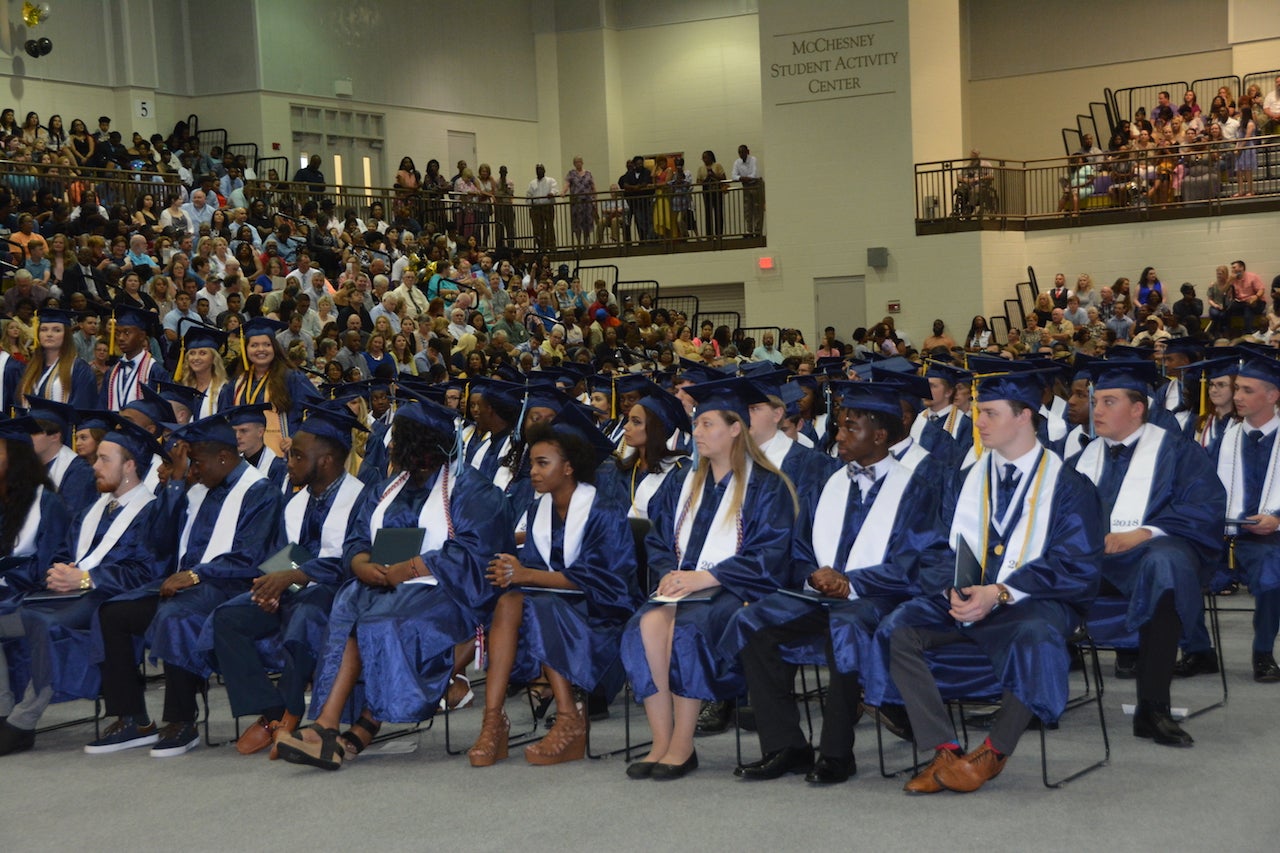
[[1003, 596]]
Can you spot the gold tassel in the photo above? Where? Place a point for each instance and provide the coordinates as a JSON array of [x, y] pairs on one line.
[[182, 360], [613, 397], [977, 437], [1231, 553], [1204, 392], [244, 351], [112, 347], [35, 333]]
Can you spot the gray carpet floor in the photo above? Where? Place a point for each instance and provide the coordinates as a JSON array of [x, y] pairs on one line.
[[1221, 794]]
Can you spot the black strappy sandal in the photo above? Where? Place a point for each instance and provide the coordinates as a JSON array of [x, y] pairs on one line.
[[327, 754], [355, 746]]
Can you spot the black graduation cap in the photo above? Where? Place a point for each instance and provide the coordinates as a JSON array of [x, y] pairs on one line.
[[51, 411], [56, 317], [141, 444], [251, 413], [869, 396], [262, 326], [19, 429], [183, 395], [667, 409], [1262, 368], [151, 404], [215, 429], [1130, 375], [504, 397], [1190, 348], [698, 372], [572, 421], [333, 421], [429, 414], [1026, 387], [733, 394], [138, 318]]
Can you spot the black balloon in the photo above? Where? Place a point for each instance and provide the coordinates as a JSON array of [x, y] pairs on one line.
[[46, 46], [32, 48]]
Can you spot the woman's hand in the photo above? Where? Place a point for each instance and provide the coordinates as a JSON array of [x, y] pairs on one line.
[[506, 571], [680, 583], [369, 572]]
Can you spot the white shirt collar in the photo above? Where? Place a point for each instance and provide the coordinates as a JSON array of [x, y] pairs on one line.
[[1267, 428], [1024, 463]]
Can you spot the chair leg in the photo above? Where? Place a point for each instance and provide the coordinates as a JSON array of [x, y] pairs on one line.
[[1215, 635], [1102, 723]]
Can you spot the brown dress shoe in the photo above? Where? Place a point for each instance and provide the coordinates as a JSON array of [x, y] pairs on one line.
[[924, 781], [257, 737], [567, 740], [972, 771], [284, 726]]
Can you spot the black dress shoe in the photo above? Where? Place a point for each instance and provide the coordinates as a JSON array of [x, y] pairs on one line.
[[714, 717], [1196, 663], [663, 772], [1152, 720], [831, 771], [1265, 670], [1126, 665], [777, 764], [13, 739], [640, 769]]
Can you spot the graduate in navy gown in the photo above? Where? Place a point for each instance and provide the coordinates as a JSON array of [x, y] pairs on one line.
[[858, 540], [648, 430], [1249, 470], [10, 383], [54, 371], [943, 428], [565, 598], [806, 467], [33, 519], [1165, 508], [268, 378], [250, 424], [1218, 413], [1036, 528], [280, 625], [495, 407], [396, 625], [913, 390], [72, 477], [723, 529], [136, 366], [224, 525], [108, 554]]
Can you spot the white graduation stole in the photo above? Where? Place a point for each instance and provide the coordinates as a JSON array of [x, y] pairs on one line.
[[1028, 540], [224, 526], [1231, 473], [778, 448], [1072, 448], [431, 518], [872, 541], [722, 537], [575, 523], [61, 463], [130, 507], [152, 480], [1135, 492], [4, 363], [647, 488], [334, 528], [25, 543], [49, 385], [914, 455]]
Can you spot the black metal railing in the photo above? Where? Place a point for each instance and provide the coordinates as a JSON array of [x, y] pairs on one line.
[[66, 184], [1017, 191]]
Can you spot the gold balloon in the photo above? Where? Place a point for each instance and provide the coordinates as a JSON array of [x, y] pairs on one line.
[[32, 14]]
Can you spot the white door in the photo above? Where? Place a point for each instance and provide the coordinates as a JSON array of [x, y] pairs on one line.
[[839, 301], [462, 146]]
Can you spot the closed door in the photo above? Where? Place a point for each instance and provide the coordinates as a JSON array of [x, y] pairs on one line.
[[462, 146], [839, 301]]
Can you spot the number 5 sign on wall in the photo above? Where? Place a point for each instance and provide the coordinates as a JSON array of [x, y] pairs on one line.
[[143, 109]]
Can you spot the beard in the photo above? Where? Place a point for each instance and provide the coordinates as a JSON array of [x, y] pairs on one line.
[[107, 485]]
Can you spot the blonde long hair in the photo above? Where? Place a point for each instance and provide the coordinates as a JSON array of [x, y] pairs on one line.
[[217, 368], [744, 447]]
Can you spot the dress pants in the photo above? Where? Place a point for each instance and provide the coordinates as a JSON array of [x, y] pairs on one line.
[[122, 687], [37, 619], [249, 689], [929, 719], [770, 681], [1157, 648]]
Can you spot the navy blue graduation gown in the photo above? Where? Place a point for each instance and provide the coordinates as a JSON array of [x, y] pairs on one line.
[[579, 636], [1257, 557], [50, 547], [157, 373], [806, 468], [373, 467], [84, 390], [1025, 642], [301, 393], [917, 529], [79, 487], [406, 635], [11, 382], [698, 669], [1188, 503], [173, 634]]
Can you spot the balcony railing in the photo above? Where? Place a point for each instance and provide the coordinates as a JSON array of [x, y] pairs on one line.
[[30, 181], [663, 221], [1196, 180]]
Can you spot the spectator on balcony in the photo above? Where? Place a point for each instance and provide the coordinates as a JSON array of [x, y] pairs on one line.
[[1044, 307], [767, 351], [198, 211], [1246, 151], [1089, 149], [711, 178], [310, 173], [1165, 166], [1140, 124], [612, 216], [939, 338], [1191, 121], [580, 185], [663, 217], [1077, 184], [542, 193], [1120, 322], [1271, 109], [407, 176], [746, 169], [637, 187], [84, 146], [1059, 293], [682, 200]]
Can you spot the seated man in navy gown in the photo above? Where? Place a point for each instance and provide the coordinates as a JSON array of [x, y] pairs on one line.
[[857, 543], [292, 605], [71, 476], [1036, 529], [250, 424], [224, 525], [1165, 510], [944, 429], [109, 546]]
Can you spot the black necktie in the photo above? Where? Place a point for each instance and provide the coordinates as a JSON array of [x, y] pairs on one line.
[[1084, 440], [1254, 435], [1120, 451], [1114, 467], [935, 419], [1008, 483]]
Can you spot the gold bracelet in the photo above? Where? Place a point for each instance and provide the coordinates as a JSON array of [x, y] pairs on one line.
[[85, 583], [195, 578]]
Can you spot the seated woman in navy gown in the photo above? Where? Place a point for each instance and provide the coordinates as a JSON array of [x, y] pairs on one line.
[[647, 432], [268, 378], [398, 623], [722, 528], [579, 550], [109, 553], [33, 519], [71, 476], [54, 372]]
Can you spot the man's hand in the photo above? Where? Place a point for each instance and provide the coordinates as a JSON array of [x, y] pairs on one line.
[[176, 583], [63, 577], [1118, 543], [1266, 525], [830, 583], [982, 600], [267, 589]]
